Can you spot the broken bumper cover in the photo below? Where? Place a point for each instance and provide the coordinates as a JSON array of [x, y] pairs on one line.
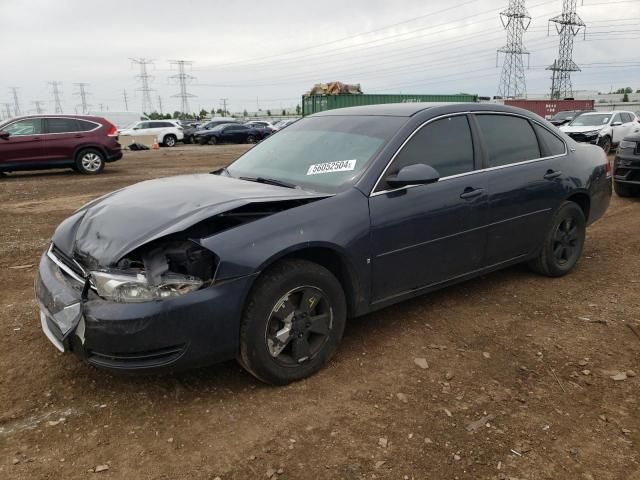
[[196, 329]]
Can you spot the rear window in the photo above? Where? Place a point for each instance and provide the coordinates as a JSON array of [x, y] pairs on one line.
[[62, 125], [84, 126], [509, 139]]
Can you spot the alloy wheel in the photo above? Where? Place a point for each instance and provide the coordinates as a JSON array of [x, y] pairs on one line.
[[299, 325], [566, 241], [91, 162]]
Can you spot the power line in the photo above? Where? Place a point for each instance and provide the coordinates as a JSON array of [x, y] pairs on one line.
[[568, 24], [182, 79], [16, 102], [82, 93], [56, 96], [516, 20], [145, 79]]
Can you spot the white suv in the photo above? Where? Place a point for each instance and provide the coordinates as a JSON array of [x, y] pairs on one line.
[[167, 132], [605, 129]]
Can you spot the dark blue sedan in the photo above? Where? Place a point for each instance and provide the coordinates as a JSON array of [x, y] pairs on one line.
[[340, 214]]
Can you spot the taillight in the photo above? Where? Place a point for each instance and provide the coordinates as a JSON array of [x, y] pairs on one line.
[[113, 131], [607, 167]]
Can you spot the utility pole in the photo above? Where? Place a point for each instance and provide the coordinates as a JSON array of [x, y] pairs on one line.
[[126, 103], [82, 93], [568, 25], [38, 104], [223, 104], [55, 87], [145, 79], [182, 79], [160, 104], [515, 20], [101, 105], [16, 102]]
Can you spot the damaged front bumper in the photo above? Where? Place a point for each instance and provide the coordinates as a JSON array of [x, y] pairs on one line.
[[199, 328]]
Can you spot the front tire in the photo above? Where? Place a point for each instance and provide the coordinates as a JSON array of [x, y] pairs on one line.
[[90, 161], [625, 190], [251, 139], [293, 322], [169, 140], [563, 243]]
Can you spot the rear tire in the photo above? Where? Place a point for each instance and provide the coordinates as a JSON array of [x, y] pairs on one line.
[[625, 190], [563, 242], [293, 322], [251, 139], [90, 161], [169, 140]]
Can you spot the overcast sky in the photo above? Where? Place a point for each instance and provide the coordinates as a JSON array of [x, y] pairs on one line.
[[269, 52]]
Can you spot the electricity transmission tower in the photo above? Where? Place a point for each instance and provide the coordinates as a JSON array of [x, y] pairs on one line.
[[223, 104], [56, 96], [515, 20], [38, 105], [145, 78], [160, 104], [7, 110], [16, 103], [568, 24], [82, 93], [182, 79], [126, 102]]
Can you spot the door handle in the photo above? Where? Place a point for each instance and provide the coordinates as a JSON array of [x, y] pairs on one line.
[[551, 174], [471, 192], [78, 136]]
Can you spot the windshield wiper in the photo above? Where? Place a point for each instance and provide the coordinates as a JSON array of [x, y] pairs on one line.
[[270, 181]]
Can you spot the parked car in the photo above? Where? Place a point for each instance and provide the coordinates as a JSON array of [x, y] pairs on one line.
[[167, 132], [605, 129], [35, 142], [340, 214], [562, 118], [193, 134], [265, 128], [285, 123], [626, 167], [229, 133]]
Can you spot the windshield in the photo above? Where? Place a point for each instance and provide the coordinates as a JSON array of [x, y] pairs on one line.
[[591, 120], [324, 154], [564, 115]]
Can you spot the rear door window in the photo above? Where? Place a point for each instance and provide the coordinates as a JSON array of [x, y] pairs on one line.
[[626, 117], [509, 139], [445, 145], [61, 125], [550, 142]]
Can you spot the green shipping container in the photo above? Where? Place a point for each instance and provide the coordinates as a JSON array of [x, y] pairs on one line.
[[320, 103]]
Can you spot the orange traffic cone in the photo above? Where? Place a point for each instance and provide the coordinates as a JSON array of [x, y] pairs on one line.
[[155, 145]]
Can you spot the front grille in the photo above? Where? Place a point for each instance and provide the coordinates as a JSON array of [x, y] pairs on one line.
[[67, 264], [149, 359], [581, 137]]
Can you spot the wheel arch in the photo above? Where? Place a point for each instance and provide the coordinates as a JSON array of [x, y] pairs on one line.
[[90, 146], [583, 200], [330, 257]]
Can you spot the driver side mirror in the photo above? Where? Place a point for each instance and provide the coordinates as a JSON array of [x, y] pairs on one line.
[[4, 135], [616, 124], [417, 174]]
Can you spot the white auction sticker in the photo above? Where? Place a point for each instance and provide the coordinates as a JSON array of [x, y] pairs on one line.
[[337, 166]]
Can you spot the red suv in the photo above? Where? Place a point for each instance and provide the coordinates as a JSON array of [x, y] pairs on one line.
[[37, 142]]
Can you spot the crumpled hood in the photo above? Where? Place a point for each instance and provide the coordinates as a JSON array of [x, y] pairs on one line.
[[577, 129], [113, 225]]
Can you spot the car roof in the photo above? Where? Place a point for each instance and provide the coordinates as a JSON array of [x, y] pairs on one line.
[[412, 109], [610, 112], [56, 115]]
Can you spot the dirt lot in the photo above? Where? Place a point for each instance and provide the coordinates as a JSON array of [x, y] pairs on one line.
[[528, 359]]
